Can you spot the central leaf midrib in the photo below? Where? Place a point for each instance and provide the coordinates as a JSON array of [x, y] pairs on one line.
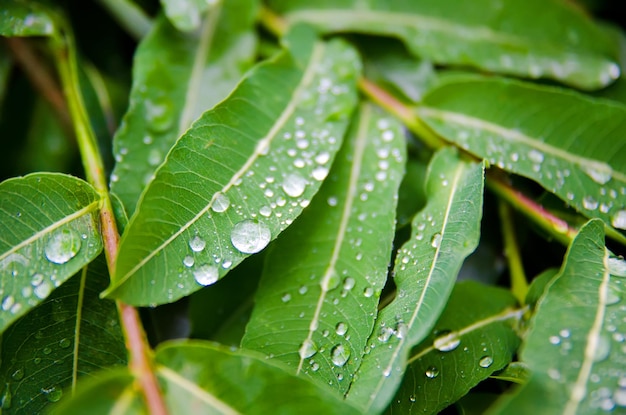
[[307, 77]]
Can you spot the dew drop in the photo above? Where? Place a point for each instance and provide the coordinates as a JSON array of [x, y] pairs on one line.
[[307, 349], [18, 374], [65, 343], [341, 328], [265, 211], [220, 203], [447, 342], [322, 158], [159, 114], [535, 156], [590, 203], [227, 263], [485, 361], [197, 244], [8, 302], [315, 367], [339, 355], [600, 176], [332, 201], [5, 399], [302, 290], [43, 290], [286, 298], [206, 274], [294, 185], [619, 219], [188, 261], [53, 393], [435, 241], [349, 283], [46, 350], [617, 267], [368, 292], [250, 237], [432, 372], [320, 173], [62, 246], [619, 396], [603, 348]]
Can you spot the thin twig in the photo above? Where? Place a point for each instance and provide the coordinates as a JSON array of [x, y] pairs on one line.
[[519, 284]]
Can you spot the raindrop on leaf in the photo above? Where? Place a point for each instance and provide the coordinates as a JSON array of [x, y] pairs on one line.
[[250, 237], [63, 246]]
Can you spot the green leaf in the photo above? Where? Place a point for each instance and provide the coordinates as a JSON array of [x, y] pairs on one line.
[[202, 377], [572, 145], [538, 285], [111, 392], [186, 15], [516, 372], [240, 175], [48, 231], [176, 77], [468, 344], [70, 335], [516, 38], [25, 18], [318, 297], [443, 234], [574, 347]]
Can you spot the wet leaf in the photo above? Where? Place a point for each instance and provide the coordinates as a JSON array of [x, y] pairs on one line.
[[443, 234], [25, 18], [70, 335], [515, 38], [516, 372], [48, 231], [202, 377], [322, 280], [574, 347], [176, 77], [467, 345], [545, 134], [186, 15], [240, 175]]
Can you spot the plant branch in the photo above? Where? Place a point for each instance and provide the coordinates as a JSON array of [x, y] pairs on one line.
[[130, 16], [519, 284], [139, 351]]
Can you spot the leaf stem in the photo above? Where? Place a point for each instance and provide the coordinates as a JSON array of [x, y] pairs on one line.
[[519, 284], [130, 16], [139, 351]]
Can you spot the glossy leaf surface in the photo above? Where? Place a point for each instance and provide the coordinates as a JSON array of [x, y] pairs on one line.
[[48, 231], [206, 378], [443, 234], [541, 133], [514, 37], [241, 174], [176, 77], [70, 335], [574, 346], [322, 280], [25, 18], [468, 344]]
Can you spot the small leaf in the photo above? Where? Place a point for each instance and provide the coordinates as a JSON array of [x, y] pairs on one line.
[[574, 347], [48, 231], [322, 280], [516, 38], [240, 175], [516, 372], [68, 336], [572, 145], [186, 14], [468, 344], [25, 18], [176, 77], [443, 234], [201, 377]]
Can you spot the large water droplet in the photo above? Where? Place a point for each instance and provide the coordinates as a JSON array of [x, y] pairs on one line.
[[619, 219], [221, 203], [63, 246], [65, 343], [197, 244], [600, 175], [617, 267], [432, 372], [307, 349], [603, 348], [320, 173], [8, 302], [53, 393], [535, 156], [339, 355], [590, 203], [159, 114], [436, 240], [485, 361], [206, 274], [250, 237], [294, 185], [447, 342], [36, 279], [188, 261], [18, 375], [349, 283], [43, 290], [341, 328]]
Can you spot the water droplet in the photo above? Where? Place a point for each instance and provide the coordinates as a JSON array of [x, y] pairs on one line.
[[435, 241], [315, 367], [619, 396], [250, 237], [154, 157], [227, 263], [332, 201], [36, 279], [368, 292], [619, 219], [447, 342], [590, 203], [603, 348], [302, 290], [485, 361], [188, 261], [197, 244], [401, 330], [46, 350], [265, 211], [600, 175], [554, 340], [349, 283], [341, 328], [330, 282], [8, 302], [294, 185], [65, 343], [63, 246], [43, 290], [339, 355], [322, 158], [617, 267], [432, 372], [286, 298], [220, 203], [18, 374], [307, 349], [535, 156], [159, 114], [206, 274], [385, 334], [5, 399], [320, 173], [53, 393]]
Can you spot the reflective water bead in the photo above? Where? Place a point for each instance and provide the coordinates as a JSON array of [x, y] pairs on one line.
[[341, 328], [307, 349], [485, 361], [63, 246], [197, 244], [447, 342], [294, 185], [432, 372], [206, 274], [220, 203], [339, 355], [188, 261], [250, 237]]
